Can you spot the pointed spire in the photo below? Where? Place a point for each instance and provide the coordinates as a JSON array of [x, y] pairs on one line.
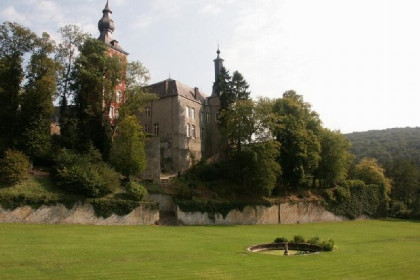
[[106, 9]]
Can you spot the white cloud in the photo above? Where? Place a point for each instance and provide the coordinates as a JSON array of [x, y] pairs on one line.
[[10, 14]]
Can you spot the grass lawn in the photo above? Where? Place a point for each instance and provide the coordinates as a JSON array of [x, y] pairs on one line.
[[387, 249]]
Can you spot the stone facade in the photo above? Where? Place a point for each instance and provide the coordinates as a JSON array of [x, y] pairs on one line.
[[185, 120]]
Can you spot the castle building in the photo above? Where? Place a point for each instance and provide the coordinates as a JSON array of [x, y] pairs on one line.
[[181, 123]]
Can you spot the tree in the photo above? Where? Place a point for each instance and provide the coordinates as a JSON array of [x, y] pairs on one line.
[[369, 171], [239, 124], [297, 128], [335, 158], [72, 38], [15, 42], [137, 77], [405, 178], [37, 101], [95, 77], [127, 153]]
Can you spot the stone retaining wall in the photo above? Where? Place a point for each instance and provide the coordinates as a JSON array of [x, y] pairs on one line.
[[79, 214], [284, 213]]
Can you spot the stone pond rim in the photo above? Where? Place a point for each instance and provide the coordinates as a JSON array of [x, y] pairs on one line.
[[307, 247]]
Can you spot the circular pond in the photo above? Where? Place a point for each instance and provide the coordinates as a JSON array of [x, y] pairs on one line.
[[286, 248]]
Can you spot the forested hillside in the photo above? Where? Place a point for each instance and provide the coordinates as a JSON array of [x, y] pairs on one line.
[[387, 145]]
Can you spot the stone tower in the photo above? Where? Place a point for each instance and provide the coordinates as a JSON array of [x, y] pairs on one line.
[[106, 28], [218, 65], [214, 141]]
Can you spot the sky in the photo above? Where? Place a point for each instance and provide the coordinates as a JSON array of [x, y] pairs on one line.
[[357, 62]]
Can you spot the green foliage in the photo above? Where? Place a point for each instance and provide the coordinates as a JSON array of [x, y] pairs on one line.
[[127, 153], [14, 167], [94, 94], [326, 245], [387, 145], [314, 240], [354, 198], [135, 190], [85, 174], [370, 172], [335, 158], [238, 124], [280, 240], [105, 207], [16, 41], [297, 128], [298, 239], [34, 192]]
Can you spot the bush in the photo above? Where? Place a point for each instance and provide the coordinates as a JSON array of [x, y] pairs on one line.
[[314, 240], [105, 207], [280, 240], [327, 245], [298, 239], [135, 190], [14, 167], [85, 174]]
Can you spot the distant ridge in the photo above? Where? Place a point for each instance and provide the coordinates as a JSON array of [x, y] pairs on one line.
[[388, 144]]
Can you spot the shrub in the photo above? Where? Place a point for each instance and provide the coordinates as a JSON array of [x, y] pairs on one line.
[[105, 207], [85, 175], [280, 240], [314, 240], [135, 190], [298, 239], [327, 245], [14, 167]]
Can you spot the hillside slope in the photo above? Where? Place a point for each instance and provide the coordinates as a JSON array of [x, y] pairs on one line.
[[386, 145]]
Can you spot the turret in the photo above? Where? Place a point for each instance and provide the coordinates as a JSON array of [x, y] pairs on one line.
[[218, 65], [106, 27]]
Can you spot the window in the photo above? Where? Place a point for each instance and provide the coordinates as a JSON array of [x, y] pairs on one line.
[[119, 96], [156, 129], [111, 112], [193, 131], [192, 113], [207, 117], [146, 128], [148, 112], [202, 117], [188, 130], [187, 111]]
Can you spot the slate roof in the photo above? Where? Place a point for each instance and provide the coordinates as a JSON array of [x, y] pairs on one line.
[[171, 87]]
